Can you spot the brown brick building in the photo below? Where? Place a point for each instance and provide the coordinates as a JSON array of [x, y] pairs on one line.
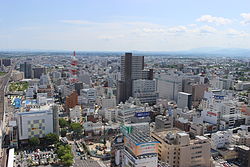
[[71, 100]]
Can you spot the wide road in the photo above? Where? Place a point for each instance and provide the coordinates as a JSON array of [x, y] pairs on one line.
[[4, 80], [3, 85], [78, 162]]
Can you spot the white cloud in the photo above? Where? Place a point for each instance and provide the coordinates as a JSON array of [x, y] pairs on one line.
[[131, 35], [110, 37], [236, 33], [177, 29], [246, 17], [153, 30], [77, 22], [191, 25], [212, 19], [207, 29]]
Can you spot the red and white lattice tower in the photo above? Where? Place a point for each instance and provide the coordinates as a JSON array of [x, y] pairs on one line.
[[74, 69]]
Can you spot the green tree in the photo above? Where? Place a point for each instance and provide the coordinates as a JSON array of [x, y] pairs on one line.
[[67, 159], [61, 150], [76, 128], [63, 132], [65, 155], [34, 141], [51, 138], [63, 123]]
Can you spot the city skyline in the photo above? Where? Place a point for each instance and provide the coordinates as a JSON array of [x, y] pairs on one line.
[[120, 26]]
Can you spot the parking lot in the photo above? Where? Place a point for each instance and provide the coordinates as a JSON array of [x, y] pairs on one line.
[[37, 157]]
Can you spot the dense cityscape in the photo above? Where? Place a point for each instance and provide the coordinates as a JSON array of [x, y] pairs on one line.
[[124, 109], [124, 83]]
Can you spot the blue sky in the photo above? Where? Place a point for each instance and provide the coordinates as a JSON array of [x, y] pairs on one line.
[[124, 25]]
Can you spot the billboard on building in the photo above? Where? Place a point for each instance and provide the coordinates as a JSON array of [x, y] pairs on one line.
[[218, 97], [141, 148], [142, 114]]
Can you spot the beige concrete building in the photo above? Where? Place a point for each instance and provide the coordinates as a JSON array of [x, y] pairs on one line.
[[197, 129], [241, 138], [178, 150], [163, 122], [17, 76]]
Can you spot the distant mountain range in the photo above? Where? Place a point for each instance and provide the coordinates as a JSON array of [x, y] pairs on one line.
[[225, 52], [220, 51], [197, 52]]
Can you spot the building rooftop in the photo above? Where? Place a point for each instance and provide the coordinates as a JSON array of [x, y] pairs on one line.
[[138, 137], [182, 134], [184, 93], [169, 136], [244, 147], [163, 134]]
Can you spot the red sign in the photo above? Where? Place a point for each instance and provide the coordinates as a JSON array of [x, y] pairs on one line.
[[211, 113]]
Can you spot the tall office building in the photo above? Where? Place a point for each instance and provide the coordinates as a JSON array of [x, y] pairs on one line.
[[27, 69], [38, 72], [6, 62], [132, 68]]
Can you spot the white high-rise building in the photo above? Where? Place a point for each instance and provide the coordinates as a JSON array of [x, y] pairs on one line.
[[216, 83], [184, 100], [87, 96], [168, 85], [145, 91], [44, 80]]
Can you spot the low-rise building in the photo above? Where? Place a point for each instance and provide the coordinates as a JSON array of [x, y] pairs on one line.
[[178, 149], [220, 139], [242, 137], [163, 122], [75, 113]]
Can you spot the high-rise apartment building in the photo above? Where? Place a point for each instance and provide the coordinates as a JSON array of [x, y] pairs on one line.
[[131, 69]]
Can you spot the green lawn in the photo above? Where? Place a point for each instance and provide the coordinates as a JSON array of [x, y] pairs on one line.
[[18, 86], [2, 73]]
